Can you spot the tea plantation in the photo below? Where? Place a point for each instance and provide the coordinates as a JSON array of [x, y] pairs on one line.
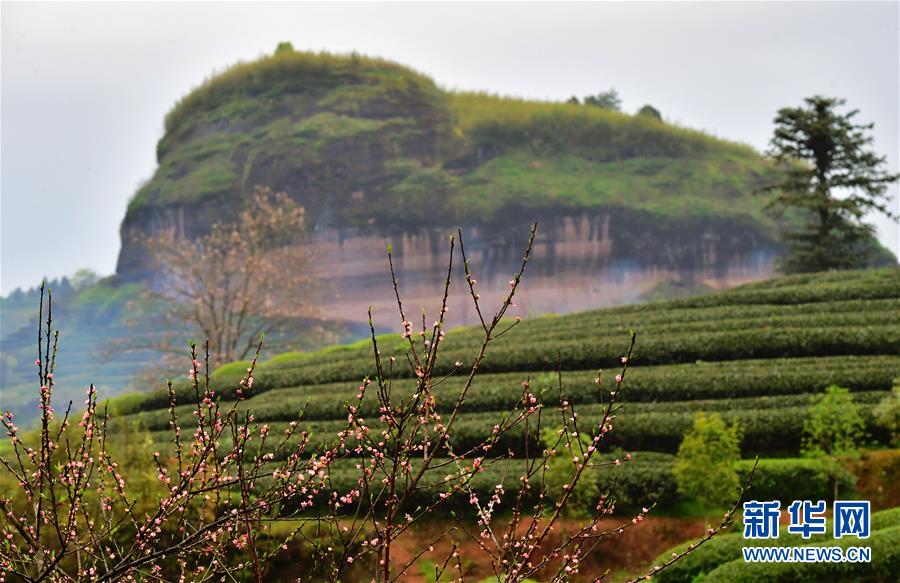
[[756, 355]]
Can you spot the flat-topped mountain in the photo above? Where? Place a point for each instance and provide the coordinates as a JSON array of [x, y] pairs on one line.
[[377, 152]]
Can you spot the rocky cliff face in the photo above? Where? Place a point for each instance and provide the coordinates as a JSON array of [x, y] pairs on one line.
[[377, 153], [580, 261]]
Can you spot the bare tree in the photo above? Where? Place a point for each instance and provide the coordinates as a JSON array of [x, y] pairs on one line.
[[240, 281]]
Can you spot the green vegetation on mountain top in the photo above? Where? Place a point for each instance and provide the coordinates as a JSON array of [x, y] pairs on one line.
[[293, 72], [334, 129]]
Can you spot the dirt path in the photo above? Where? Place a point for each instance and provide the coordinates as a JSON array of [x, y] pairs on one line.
[[630, 551]]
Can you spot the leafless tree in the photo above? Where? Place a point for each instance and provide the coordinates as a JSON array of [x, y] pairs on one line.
[[240, 281]]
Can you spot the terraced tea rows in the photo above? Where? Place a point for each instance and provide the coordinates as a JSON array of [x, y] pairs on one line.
[[755, 354]]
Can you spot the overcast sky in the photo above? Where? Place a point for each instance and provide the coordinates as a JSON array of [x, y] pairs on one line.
[[85, 86]]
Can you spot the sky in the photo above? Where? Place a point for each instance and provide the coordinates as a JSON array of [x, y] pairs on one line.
[[84, 87]]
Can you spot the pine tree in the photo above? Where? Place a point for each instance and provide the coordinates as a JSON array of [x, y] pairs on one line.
[[833, 179]]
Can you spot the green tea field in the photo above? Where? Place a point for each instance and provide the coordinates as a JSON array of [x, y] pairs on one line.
[[755, 354]]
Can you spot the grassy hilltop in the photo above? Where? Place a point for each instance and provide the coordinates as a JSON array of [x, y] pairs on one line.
[[367, 143]]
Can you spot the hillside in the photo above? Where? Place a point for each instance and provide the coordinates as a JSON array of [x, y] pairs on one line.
[[755, 354], [110, 336], [94, 333], [377, 152]]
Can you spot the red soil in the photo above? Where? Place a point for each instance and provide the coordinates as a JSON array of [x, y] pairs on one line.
[[631, 551]]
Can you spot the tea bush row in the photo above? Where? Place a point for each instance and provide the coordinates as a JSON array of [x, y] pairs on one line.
[[727, 547], [581, 353], [772, 430]]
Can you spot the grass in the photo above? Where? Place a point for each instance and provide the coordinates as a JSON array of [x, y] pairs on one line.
[[492, 118], [292, 72], [325, 126], [694, 187]]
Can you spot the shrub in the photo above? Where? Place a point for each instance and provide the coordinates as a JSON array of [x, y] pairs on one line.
[[833, 431], [727, 549], [649, 477], [284, 47], [562, 466], [834, 426], [650, 111], [887, 414], [799, 478], [885, 565], [705, 464], [678, 382], [126, 404], [605, 99], [815, 332]]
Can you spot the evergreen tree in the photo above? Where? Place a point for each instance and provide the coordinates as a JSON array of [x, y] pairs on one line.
[[833, 178], [650, 111], [606, 99]]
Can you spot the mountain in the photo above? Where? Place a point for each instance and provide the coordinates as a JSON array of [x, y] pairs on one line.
[[629, 206], [379, 153], [93, 325]]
